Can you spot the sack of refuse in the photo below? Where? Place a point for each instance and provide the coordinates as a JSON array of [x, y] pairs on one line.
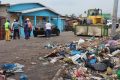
[[8, 66], [116, 52], [100, 67], [23, 77], [13, 67], [49, 46], [81, 41], [112, 43]]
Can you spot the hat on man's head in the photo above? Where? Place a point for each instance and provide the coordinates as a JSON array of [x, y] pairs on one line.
[[14, 20], [27, 19]]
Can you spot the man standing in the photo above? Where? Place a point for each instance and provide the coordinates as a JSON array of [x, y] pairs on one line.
[[16, 27], [75, 23], [26, 30], [7, 30], [29, 26], [48, 28]]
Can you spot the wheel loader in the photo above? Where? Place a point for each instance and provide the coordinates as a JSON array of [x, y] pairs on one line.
[[92, 25]]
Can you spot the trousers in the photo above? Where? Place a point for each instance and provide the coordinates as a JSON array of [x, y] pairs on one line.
[[7, 35]]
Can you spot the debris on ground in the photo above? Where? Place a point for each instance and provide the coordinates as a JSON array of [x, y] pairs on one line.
[[23, 77], [10, 69], [87, 59], [50, 46]]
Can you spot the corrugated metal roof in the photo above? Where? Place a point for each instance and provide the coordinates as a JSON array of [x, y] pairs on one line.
[[12, 4], [33, 10]]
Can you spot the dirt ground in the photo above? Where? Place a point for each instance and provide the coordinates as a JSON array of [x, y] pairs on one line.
[[27, 52]]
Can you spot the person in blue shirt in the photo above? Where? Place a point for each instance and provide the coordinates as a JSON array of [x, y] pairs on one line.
[[16, 28]]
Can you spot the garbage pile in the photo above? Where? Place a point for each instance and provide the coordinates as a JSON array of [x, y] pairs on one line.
[[9, 70], [88, 59]]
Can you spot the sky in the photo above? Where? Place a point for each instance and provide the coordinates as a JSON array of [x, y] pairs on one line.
[[69, 7]]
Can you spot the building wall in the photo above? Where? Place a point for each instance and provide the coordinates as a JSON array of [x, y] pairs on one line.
[[39, 19], [13, 16], [3, 17], [3, 11], [59, 23], [35, 17]]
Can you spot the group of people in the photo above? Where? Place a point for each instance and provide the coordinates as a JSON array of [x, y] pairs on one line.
[[15, 29]]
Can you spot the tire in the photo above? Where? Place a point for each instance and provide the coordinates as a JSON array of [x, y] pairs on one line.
[[35, 33], [58, 33]]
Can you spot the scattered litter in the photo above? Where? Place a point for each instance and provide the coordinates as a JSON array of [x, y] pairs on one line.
[[87, 59], [10, 79], [33, 63], [116, 52], [23, 77], [45, 63], [50, 46], [8, 70], [81, 41], [118, 73], [41, 58]]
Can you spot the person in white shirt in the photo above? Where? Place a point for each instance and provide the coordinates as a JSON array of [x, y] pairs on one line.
[[48, 28]]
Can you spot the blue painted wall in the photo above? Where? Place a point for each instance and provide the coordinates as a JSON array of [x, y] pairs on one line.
[[22, 32], [24, 6], [47, 13], [59, 23], [62, 24]]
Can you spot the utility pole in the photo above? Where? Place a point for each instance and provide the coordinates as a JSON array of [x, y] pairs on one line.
[[114, 17]]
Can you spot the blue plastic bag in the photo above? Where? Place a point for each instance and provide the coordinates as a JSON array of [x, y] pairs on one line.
[[8, 66], [23, 77], [74, 52]]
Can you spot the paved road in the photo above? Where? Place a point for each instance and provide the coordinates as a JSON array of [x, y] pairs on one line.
[[27, 51]]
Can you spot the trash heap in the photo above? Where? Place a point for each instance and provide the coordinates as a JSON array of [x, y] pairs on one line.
[[7, 71], [88, 59]]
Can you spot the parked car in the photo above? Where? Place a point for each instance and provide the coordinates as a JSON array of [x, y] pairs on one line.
[[109, 23], [40, 30]]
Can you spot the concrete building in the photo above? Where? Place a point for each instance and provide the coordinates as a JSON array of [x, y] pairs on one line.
[[37, 13], [3, 16]]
